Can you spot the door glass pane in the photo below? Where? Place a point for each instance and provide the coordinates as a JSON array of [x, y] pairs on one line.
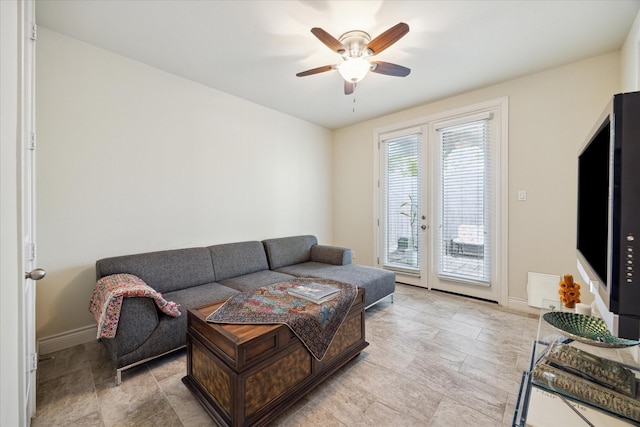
[[465, 249], [401, 198]]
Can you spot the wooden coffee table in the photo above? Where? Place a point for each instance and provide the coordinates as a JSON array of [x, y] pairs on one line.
[[249, 374]]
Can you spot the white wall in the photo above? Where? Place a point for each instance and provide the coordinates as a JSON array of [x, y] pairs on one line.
[[630, 59], [133, 159], [550, 114], [11, 381]]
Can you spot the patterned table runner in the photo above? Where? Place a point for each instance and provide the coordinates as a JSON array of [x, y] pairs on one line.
[[315, 324]]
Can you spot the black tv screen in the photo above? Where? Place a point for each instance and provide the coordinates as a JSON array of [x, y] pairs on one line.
[[609, 214], [593, 201]]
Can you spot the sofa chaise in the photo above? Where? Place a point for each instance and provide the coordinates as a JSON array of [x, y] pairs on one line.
[[193, 277]]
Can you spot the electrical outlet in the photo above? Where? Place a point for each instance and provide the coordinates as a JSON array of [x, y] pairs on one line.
[[522, 195]]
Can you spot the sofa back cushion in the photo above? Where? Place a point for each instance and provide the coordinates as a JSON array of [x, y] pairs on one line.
[[286, 251], [164, 271], [331, 255], [237, 259]]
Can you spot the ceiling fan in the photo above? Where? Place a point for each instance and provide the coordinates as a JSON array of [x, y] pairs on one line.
[[356, 47]]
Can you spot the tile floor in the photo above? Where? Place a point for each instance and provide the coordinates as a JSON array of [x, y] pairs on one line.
[[434, 360]]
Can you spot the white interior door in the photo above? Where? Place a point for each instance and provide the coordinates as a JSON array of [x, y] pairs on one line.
[[28, 206]]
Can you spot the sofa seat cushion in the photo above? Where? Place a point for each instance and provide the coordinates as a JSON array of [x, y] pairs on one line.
[[249, 282], [378, 283], [198, 296]]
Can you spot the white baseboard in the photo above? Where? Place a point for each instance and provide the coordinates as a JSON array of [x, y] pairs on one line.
[[67, 339], [521, 305]]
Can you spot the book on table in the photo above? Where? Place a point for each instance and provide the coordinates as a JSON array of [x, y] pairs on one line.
[[315, 292]]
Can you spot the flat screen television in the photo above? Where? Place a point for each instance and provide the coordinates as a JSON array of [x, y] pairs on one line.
[[608, 213]]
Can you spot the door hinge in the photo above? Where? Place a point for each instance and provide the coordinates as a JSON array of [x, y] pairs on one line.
[[31, 251], [33, 362], [32, 141], [33, 34]]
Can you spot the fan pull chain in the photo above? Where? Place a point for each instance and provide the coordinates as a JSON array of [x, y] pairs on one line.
[[354, 103]]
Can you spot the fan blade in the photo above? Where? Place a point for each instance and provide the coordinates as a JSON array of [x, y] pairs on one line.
[[349, 87], [316, 70], [388, 38], [331, 42], [389, 69]]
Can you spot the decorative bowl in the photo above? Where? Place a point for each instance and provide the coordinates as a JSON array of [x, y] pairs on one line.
[[587, 329]]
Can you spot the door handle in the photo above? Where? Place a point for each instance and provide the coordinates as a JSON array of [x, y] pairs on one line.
[[424, 227], [35, 274]]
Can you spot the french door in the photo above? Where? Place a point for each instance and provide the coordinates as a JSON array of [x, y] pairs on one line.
[[403, 202], [441, 217]]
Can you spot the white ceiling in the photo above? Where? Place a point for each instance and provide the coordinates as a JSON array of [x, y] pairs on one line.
[[253, 49]]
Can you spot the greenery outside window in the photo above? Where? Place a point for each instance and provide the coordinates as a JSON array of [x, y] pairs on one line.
[[401, 204]]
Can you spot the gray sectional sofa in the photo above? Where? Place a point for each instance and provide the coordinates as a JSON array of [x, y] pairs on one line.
[[194, 277]]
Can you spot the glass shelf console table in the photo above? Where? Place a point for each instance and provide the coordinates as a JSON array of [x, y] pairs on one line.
[[538, 405]]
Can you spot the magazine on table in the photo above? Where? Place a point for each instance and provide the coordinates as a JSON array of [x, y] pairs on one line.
[[315, 292]]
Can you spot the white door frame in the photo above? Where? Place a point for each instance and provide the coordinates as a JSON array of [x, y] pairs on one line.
[[11, 387]]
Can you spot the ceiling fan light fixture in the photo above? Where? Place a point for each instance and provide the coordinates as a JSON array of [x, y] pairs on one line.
[[354, 69], [356, 47]]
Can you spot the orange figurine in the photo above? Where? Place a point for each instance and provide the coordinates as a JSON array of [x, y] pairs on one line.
[[569, 291]]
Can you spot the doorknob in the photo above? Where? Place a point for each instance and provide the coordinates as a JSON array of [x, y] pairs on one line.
[[36, 274], [424, 227]]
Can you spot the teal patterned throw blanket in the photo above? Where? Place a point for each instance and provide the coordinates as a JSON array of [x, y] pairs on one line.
[[315, 324]]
